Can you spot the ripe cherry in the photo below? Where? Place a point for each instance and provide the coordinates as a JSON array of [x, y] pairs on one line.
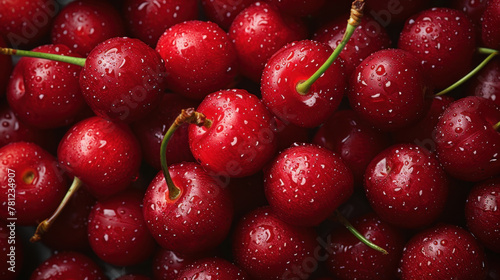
[[490, 24], [486, 83], [392, 14], [68, 265], [212, 268], [168, 264], [223, 12], [14, 130], [299, 8]]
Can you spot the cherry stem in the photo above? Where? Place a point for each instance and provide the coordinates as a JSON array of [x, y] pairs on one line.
[[486, 51], [44, 226], [358, 235], [354, 21], [496, 126], [186, 116], [80, 61], [470, 75]]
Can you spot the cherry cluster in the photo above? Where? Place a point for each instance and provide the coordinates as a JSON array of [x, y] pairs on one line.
[[244, 139]]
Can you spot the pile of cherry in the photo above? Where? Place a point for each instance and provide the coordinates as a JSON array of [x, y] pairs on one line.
[[276, 156]]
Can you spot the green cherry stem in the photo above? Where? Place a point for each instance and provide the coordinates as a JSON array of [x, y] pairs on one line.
[[353, 22], [44, 226], [186, 116], [486, 51], [80, 61], [356, 233], [497, 126]]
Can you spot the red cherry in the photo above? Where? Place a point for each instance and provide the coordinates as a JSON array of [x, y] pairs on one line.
[[368, 38], [148, 19], [151, 129], [466, 140], [103, 155], [212, 268], [117, 231], [68, 265], [268, 248], [122, 79], [406, 186], [5, 70], [491, 22], [443, 252], [295, 63], [474, 9], [389, 89], [306, 183], [10, 258], [184, 47], [45, 93], [240, 140], [483, 214], [223, 12], [444, 40], [350, 258], [83, 24], [486, 83], [25, 23], [392, 13], [168, 264], [197, 220], [298, 7], [13, 130], [258, 32], [354, 140], [34, 178]]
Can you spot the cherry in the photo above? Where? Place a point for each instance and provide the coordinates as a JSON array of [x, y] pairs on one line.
[[483, 215], [12, 253], [147, 20], [490, 24], [295, 63], [389, 89], [368, 38], [25, 23], [392, 13], [223, 12], [117, 231], [349, 258], [103, 155], [6, 69], [240, 139], [443, 252], [151, 129], [14, 130], [353, 139], [299, 7], [444, 40], [268, 248], [406, 186], [188, 48], [466, 140], [474, 9], [258, 32], [212, 268], [306, 183], [31, 176], [68, 265], [44, 93], [192, 215], [168, 264], [487, 82], [83, 24]]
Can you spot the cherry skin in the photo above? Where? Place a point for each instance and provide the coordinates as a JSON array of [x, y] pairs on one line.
[[268, 248], [105, 156], [394, 13], [490, 25], [68, 265], [122, 79], [486, 83], [14, 130], [26, 23], [240, 140], [368, 38], [258, 32], [349, 258], [354, 140], [223, 12], [444, 40], [33, 177], [83, 24], [212, 268], [168, 264], [117, 231], [466, 140], [147, 20], [45, 93], [474, 9], [389, 90], [483, 215], [298, 7], [188, 48], [295, 63], [406, 186], [16, 256], [197, 220], [306, 183], [151, 129], [443, 252], [5, 70]]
